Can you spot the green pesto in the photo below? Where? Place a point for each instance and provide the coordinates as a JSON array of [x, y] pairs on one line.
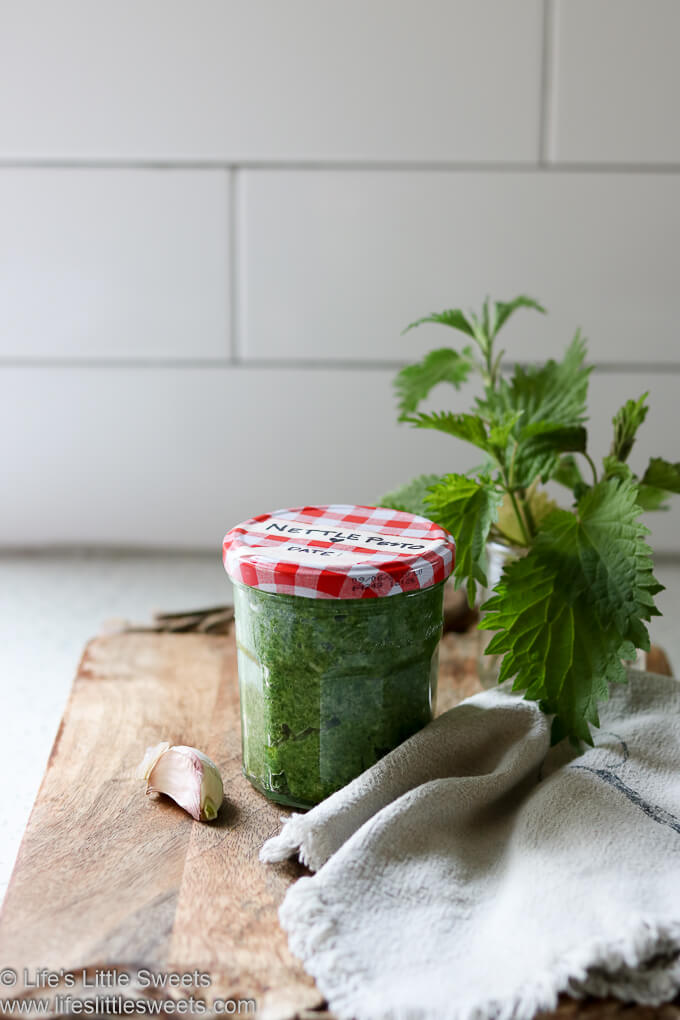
[[328, 686]]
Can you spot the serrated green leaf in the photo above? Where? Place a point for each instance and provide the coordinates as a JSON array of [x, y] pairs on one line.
[[468, 427], [540, 444], [648, 496], [500, 431], [468, 509], [553, 436], [504, 309], [553, 392], [563, 613], [484, 328], [415, 382], [615, 468], [626, 422], [651, 498], [453, 317], [410, 498], [567, 472], [662, 475]]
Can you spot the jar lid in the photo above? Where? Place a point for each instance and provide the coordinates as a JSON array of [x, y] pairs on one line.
[[338, 552]]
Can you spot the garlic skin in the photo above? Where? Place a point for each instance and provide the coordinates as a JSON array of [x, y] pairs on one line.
[[151, 756], [186, 775]]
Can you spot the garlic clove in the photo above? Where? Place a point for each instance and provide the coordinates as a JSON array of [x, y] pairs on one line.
[[151, 756], [186, 775]]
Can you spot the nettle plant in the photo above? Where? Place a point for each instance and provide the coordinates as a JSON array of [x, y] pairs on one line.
[[567, 612]]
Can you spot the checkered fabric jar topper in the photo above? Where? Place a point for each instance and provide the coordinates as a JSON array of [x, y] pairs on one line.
[[338, 552]]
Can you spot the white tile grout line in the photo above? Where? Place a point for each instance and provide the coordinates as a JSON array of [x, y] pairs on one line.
[[346, 165], [236, 268], [296, 364], [546, 111]]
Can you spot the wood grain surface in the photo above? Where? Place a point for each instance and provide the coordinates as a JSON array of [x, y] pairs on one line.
[[108, 879]]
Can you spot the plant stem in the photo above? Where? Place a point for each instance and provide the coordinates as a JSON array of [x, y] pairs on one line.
[[485, 370], [531, 523], [511, 473], [491, 368], [592, 467], [508, 484], [485, 344], [518, 515], [496, 367]]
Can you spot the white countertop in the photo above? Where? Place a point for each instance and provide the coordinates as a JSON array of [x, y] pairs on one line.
[[52, 603]]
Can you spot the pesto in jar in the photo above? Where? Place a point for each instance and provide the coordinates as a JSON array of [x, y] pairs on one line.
[[329, 686], [338, 614]]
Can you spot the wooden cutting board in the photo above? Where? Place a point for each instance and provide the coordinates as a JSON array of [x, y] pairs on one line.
[[110, 880]]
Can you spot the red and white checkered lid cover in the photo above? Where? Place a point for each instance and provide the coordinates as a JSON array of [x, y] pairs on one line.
[[338, 552]]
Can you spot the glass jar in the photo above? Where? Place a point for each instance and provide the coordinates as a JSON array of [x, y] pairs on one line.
[[328, 684], [497, 557]]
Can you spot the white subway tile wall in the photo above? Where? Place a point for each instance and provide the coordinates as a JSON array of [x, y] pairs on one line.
[[164, 458], [216, 218], [114, 264], [168, 458], [270, 79], [616, 82], [335, 264]]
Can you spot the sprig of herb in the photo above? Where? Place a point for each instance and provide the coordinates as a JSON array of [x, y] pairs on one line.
[[567, 612]]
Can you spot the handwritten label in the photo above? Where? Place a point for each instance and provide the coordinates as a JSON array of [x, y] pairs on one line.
[[371, 541]]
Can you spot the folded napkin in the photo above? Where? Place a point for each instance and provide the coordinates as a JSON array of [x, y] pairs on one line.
[[474, 872]]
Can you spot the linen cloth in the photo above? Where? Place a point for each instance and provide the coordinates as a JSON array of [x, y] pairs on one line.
[[474, 872]]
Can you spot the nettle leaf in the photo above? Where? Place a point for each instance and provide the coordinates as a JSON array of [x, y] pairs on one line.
[[648, 496], [467, 508], [568, 473], [615, 468], [415, 382], [662, 475], [540, 446], [550, 435], [500, 431], [609, 517], [494, 316], [504, 309], [410, 498], [553, 392], [651, 498], [565, 612], [468, 427], [453, 317], [626, 422]]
